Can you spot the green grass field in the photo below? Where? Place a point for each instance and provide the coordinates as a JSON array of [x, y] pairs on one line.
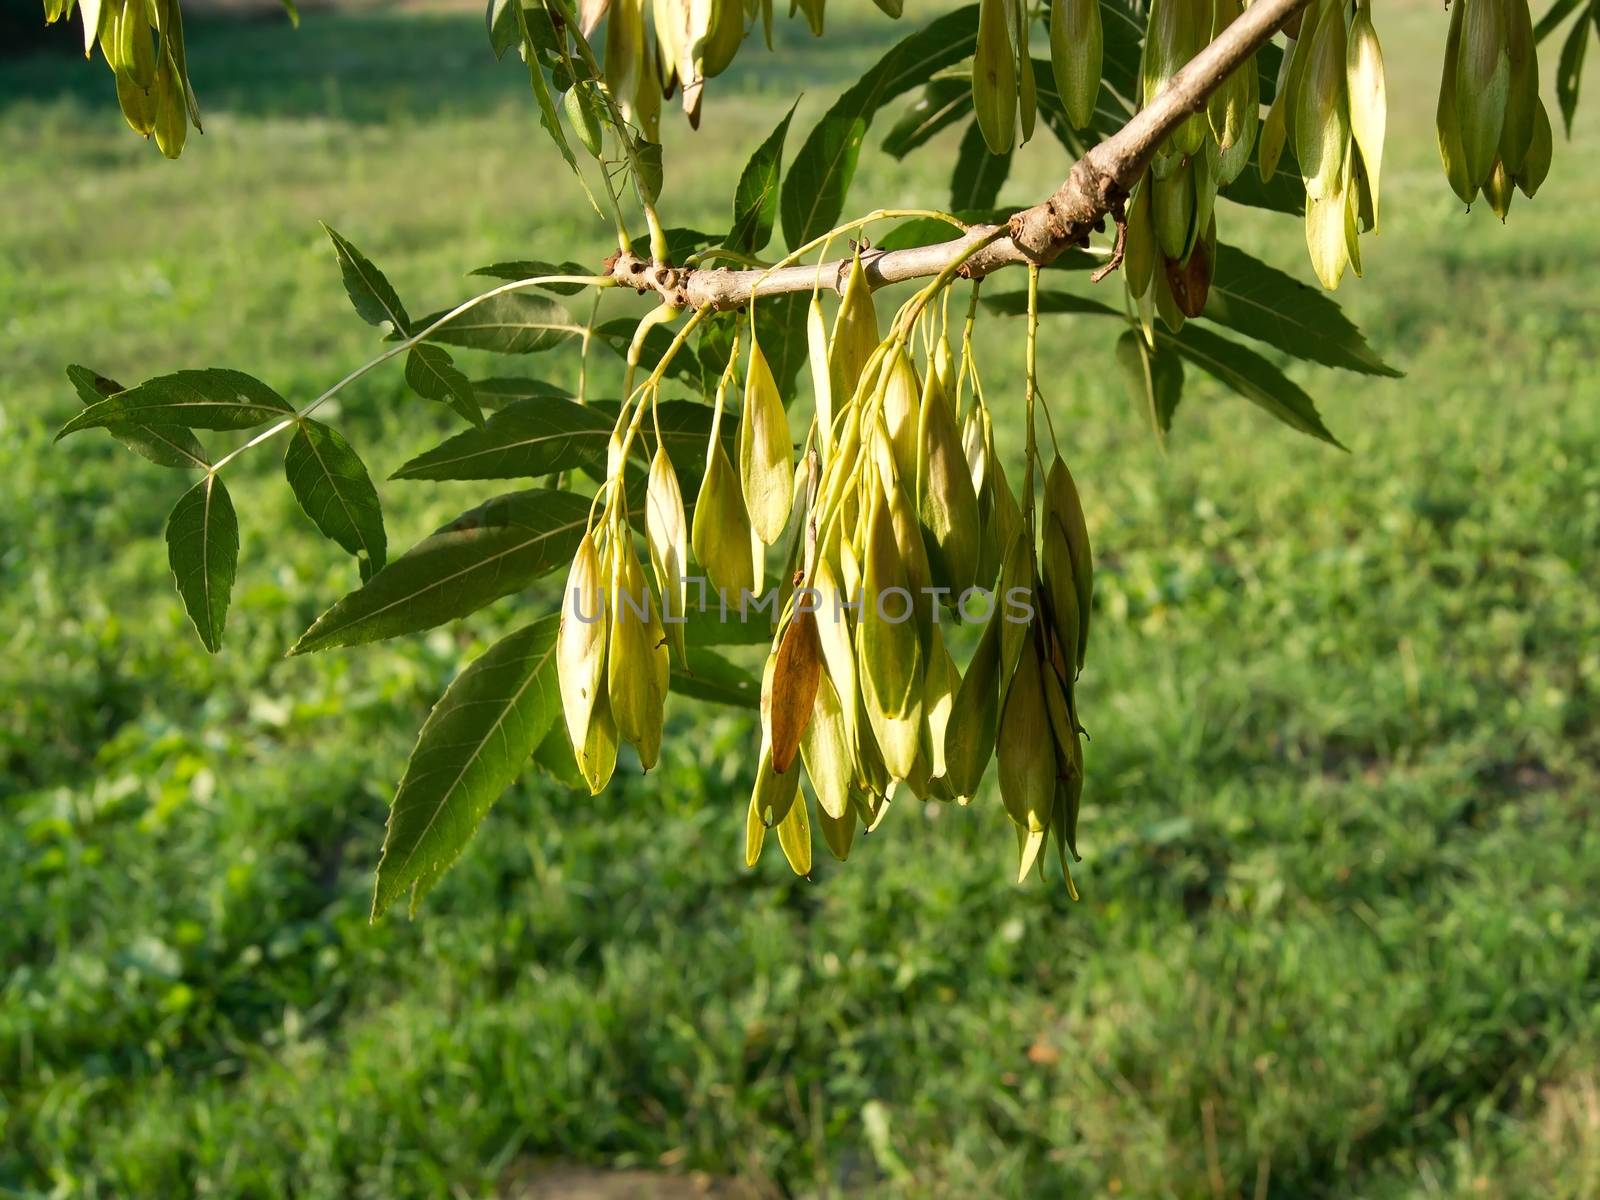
[[1340, 910]]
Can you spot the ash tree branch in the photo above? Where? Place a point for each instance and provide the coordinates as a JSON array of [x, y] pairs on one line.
[[1097, 183]]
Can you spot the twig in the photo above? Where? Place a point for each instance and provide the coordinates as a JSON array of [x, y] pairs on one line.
[[1119, 214], [1097, 182]]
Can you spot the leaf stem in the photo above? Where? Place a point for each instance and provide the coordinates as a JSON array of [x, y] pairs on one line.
[[1033, 384], [400, 347]]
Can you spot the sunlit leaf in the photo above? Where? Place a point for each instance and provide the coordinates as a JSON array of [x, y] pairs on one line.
[[491, 551], [500, 17], [164, 445], [943, 102], [819, 177], [214, 398], [524, 439], [479, 737], [755, 199], [511, 323], [534, 26]]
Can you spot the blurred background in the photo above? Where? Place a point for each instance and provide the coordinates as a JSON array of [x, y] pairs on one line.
[[1339, 916]]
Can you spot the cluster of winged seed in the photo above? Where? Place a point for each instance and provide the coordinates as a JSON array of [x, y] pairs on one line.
[[1171, 228], [902, 526], [142, 41], [1004, 94], [611, 654], [911, 519], [1494, 133], [694, 41]]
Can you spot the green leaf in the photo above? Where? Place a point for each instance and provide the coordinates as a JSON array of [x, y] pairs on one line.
[[978, 175], [554, 756], [332, 486], [432, 374], [476, 741], [375, 300], [532, 268], [1154, 379], [711, 677], [943, 102], [215, 398], [1284, 192], [491, 551], [511, 323], [1123, 33], [709, 625], [1252, 376], [686, 433], [618, 335], [498, 392], [819, 177], [651, 175], [1265, 303], [1110, 112], [682, 241], [293, 10], [1243, 370], [929, 231], [755, 199], [526, 438], [1268, 58], [203, 550], [528, 23], [583, 112], [1569, 72], [715, 348], [1124, 39], [501, 19], [1557, 13], [544, 43], [164, 445], [1015, 304], [780, 324]]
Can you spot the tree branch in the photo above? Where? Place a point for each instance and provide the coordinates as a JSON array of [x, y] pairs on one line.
[[1096, 183]]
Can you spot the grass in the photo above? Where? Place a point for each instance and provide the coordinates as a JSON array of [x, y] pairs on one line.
[[1338, 933]]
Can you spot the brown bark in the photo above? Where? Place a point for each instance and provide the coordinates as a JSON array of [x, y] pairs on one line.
[[1095, 187]]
